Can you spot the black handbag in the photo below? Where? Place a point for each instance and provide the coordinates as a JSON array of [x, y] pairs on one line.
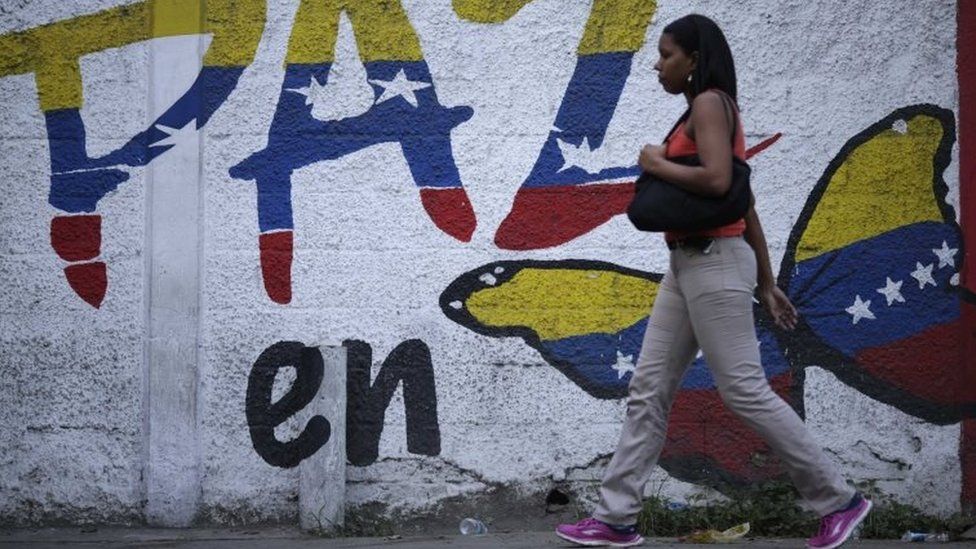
[[661, 206]]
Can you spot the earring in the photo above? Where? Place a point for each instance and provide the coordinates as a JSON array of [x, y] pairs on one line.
[[690, 77]]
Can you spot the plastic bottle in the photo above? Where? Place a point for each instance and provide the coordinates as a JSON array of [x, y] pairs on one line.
[[473, 527], [922, 537], [676, 506]]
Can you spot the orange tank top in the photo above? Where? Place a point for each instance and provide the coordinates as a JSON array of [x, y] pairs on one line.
[[679, 144]]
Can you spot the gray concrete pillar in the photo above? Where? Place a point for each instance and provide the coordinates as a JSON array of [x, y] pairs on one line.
[[174, 247], [322, 483]]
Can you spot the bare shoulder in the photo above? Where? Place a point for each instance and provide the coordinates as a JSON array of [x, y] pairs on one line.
[[708, 110], [708, 103]]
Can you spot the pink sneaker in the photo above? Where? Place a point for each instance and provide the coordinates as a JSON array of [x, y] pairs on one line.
[[594, 533], [836, 528]]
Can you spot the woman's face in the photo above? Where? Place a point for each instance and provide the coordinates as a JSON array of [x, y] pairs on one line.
[[673, 66]]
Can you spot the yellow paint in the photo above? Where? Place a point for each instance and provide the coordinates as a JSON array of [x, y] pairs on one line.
[[381, 27], [237, 26], [313, 35], [617, 26], [383, 32], [560, 303], [883, 184], [52, 51], [613, 25], [487, 11], [176, 18]]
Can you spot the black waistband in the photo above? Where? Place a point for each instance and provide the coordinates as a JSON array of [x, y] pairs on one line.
[[692, 242]]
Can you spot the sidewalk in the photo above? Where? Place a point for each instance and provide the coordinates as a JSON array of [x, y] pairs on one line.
[[281, 538]]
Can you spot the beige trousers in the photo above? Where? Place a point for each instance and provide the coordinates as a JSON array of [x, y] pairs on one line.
[[705, 301]]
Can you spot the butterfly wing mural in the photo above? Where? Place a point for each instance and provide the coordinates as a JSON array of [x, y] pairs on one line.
[[587, 319], [878, 217], [872, 268]]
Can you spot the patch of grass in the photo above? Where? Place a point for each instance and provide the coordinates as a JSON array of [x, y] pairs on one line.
[[890, 519], [771, 510]]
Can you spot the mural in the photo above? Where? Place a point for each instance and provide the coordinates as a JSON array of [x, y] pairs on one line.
[[875, 262], [570, 190], [408, 364], [871, 267], [400, 105], [263, 415], [78, 182], [966, 74]]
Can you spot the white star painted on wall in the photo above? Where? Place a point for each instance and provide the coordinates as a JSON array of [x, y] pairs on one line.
[[311, 92], [344, 92], [923, 275], [946, 255], [892, 291], [624, 364], [860, 309], [400, 86], [581, 157], [177, 136]]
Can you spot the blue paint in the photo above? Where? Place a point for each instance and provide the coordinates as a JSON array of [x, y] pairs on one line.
[[594, 355], [587, 107], [296, 139], [822, 288], [78, 192], [78, 182]]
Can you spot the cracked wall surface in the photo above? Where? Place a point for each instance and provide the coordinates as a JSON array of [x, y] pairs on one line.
[[197, 195]]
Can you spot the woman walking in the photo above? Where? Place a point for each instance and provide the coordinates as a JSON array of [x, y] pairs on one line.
[[705, 302]]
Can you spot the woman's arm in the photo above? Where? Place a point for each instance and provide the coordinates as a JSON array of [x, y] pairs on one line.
[[709, 126], [770, 295], [757, 239]]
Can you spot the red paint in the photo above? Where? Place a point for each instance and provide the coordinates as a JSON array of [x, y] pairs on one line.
[[89, 281], [276, 255], [967, 434], [966, 67], [763, 145], [550, 216], [544, 217], [451, 211], [926, 365], [967, 463], [701, 426], [77, 237]]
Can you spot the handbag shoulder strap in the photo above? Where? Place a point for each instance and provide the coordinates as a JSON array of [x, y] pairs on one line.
[[733, 118], [674, 128]]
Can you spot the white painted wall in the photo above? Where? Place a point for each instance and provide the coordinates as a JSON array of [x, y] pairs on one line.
[[136, 410]]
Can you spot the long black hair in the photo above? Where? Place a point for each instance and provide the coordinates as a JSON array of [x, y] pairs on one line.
[[715, 68]]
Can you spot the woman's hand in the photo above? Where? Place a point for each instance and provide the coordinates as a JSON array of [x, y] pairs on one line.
[[778, 306], [651, 157]]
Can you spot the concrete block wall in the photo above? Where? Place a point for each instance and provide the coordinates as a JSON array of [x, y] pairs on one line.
[[199, 194]]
